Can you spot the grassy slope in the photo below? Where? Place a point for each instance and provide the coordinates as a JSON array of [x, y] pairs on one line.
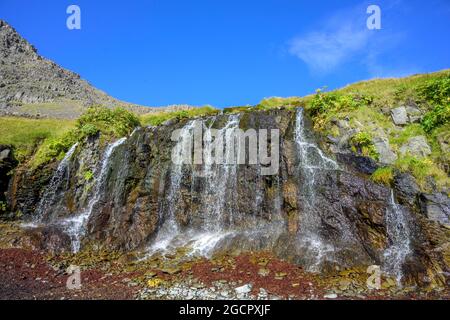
[[373, 118], [25, 134]]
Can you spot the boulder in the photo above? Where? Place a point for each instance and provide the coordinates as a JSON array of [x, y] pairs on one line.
[[444, 141], [387, 156], [406, 189], [414, 114], [436, 207], [399, 116], [7, 163], [357, 163], [417, 147]]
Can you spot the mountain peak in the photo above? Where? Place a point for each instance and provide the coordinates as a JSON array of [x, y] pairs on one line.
[[31, 85], [12, 43]]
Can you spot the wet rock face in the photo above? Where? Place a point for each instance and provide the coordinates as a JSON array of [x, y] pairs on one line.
[[142, 191], [7, 163]]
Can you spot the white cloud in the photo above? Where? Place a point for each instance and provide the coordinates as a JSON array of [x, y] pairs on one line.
[[324, 51], [341, 37]]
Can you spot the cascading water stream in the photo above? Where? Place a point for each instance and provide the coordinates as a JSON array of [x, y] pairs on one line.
[[60, 176], [75, 226], [170, 230], [219, 180], [220, 184], [398, 232], [312, 161]]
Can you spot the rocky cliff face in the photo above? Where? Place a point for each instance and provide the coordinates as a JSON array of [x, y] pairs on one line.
[[7, 164], [318, 210]]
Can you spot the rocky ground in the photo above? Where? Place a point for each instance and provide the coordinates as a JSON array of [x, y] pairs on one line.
[[28, 273]]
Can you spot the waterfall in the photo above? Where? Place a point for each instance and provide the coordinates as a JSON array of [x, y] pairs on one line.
[[75, 226], [219, 185], [60, 177], [170, 229], [398, 232], [220, 179], [312, 162]]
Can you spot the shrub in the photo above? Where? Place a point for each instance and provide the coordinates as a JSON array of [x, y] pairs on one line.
[[88, 130], [117, 122], [362, 143], [437, 117], [436, 91], [110, 122], [332, 102], [383, 175], [54, 148]]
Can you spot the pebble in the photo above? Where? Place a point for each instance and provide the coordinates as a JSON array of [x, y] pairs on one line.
[[243, 289]]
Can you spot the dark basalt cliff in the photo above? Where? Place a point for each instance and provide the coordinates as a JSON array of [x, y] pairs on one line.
[[317, 211]]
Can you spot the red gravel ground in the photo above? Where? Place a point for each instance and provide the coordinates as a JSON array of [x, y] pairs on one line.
[[26, 274], [244, 269]]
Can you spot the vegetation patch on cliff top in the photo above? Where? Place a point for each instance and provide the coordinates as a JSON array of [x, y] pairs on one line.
[[383, 175], [156, 119]]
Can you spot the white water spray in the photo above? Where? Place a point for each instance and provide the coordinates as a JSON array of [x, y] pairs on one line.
[[312, 161], [60, 176], [75, 226], [398, 233]]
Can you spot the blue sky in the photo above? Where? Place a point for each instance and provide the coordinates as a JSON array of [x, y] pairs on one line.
[[233, 52]]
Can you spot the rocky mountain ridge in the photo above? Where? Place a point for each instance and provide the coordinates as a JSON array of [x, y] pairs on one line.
[[33, 86]]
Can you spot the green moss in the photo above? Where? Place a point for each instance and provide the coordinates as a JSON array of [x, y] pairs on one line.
[[362, 143], [156, 119], [88, 175], [383, 175]]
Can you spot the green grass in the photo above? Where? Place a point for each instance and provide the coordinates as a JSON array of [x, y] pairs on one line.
[[275, 102], [111, 123], [157, 118], [26, 134], [394, 91], [400, 137], [384, 92], [421, 169], [383, 175]]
